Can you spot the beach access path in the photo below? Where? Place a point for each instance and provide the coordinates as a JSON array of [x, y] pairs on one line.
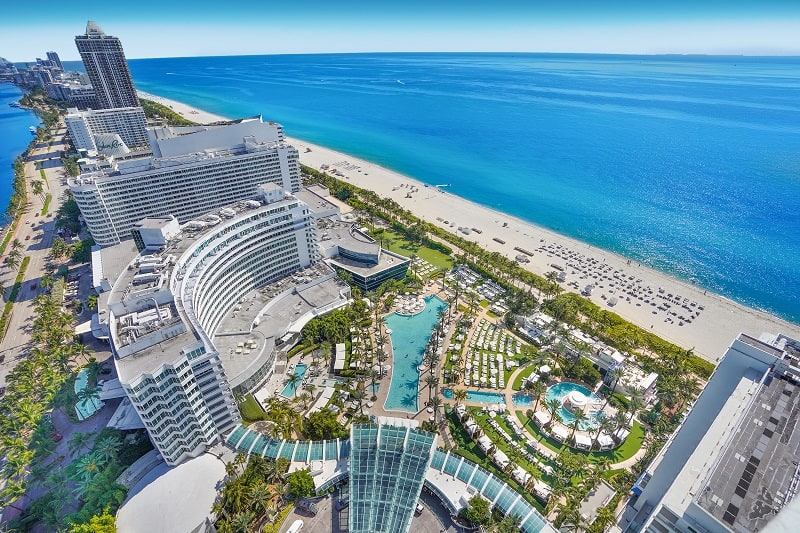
[[709, 335]]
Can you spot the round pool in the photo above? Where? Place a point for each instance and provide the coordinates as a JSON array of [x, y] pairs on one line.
[[572, 396]]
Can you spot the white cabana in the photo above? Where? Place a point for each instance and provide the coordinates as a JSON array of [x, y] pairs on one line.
[[484, 442], [560, 433], [541, 418], [621, 434], [501, 459], [605, 442], [521, 475], [542, 490], [471, 426], [583, 442]]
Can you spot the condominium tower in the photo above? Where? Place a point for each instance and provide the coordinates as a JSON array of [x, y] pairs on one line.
[[193, 171], [105, 63], [87, 128]]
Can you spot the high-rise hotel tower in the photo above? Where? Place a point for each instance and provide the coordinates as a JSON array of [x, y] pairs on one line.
[[107, 68]]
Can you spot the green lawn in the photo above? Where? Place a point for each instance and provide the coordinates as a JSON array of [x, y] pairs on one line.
[[251, 411], [394, 242], [522, 375], [628, 449], [468, 449]]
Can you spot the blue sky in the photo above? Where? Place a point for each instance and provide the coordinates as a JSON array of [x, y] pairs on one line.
[[169, 28]]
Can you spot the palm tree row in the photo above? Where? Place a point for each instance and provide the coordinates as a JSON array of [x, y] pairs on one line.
[[32, 386]]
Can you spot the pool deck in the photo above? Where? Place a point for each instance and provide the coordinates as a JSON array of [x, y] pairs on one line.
[[509, 393]]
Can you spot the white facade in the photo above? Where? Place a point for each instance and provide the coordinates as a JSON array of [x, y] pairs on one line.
[[730, 466], [186, 186], [165, 308], [127, 122]]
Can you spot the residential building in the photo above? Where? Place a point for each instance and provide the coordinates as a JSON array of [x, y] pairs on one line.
[[732, 465], [55, 60], [129, 123], [105, 63], [198, 170], [183, 345]]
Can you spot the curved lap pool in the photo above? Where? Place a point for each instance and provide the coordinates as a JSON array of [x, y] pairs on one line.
[[410, 335]]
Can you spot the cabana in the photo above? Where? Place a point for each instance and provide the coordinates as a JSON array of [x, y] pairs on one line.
[[521, 475], [560, 433], [583, 442], [471, 426], [501, 459], [484, 442], [541, 418], [542, 490], [621, 434], [605, 442]]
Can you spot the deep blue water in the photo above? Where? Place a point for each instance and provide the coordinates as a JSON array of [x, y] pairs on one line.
[[14, 138], [688, 164]]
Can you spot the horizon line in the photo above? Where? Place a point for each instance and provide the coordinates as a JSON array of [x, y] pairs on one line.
[[477, 52]]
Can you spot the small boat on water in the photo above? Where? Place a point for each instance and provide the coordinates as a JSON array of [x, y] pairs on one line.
[[14, 104], [32, 130]]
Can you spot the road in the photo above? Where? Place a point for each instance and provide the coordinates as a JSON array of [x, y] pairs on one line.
[[36, 233]]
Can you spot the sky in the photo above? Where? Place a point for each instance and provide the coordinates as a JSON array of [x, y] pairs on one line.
[[170, 28]]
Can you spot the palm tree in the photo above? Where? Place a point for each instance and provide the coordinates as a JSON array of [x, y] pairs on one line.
[[108, 447], [78, 441], [260, 497], [552, 405], [616, 374], [580, 416], [294, 380], [37, 189], [459, 395], [605, 425], [436, 403], [242, 523], [88, 466], [537, 389], [430, 381]]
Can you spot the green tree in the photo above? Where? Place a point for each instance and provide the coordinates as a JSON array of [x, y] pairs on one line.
[[79, 441], [300, 484], [478, 511], [322, 425], [104, 523]]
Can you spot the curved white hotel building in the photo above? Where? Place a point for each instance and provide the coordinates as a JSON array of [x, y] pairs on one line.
[[203, 310], [192, 171]]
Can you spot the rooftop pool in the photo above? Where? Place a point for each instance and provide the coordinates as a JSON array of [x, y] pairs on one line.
[[410, 335]]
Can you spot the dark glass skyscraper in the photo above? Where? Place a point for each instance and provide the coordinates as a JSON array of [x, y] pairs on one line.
[[107, 68]]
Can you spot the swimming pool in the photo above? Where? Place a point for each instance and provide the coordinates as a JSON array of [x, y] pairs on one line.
[[559, 391], [291, 388], [88, 406], [478, 396], [409, 336]]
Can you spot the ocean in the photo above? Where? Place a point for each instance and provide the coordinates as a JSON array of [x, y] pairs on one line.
[[15, 136], [690, 164]]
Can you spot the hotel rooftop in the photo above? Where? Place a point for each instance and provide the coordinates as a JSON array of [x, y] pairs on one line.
[[735, 461]]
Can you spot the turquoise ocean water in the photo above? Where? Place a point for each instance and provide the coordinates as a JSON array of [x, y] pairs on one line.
[[688, 164], [14, 138]]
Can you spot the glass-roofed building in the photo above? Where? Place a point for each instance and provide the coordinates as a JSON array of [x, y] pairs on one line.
[[388, 462]]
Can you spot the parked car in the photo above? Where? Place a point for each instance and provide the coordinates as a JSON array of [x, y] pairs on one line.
[[57, 437]]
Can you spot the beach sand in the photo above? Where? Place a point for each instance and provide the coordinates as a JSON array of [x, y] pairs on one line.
[[710, 321]]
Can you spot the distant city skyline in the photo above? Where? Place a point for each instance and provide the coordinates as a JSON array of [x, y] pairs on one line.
[[151, 29]]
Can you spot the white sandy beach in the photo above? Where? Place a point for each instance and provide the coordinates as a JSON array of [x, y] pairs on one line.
[[710, 322]]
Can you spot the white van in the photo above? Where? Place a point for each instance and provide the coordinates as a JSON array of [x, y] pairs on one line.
[[294, 528]]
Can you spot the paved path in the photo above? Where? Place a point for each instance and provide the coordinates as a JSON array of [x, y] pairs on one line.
[[36, 233]]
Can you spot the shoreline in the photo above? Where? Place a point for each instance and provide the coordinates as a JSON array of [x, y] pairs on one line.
[[715, 319]]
